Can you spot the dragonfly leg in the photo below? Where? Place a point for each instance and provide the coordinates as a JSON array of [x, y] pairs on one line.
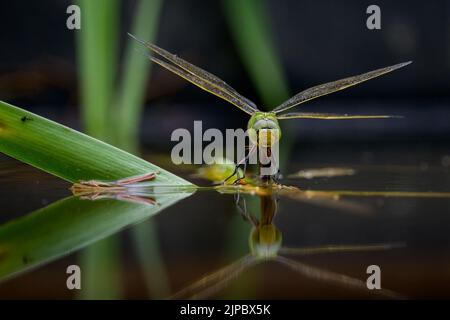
[[121, 182], [236, 168], [238, 179], [93, 196], [277, 176], [95, 183], [136, 179], [243, 210]]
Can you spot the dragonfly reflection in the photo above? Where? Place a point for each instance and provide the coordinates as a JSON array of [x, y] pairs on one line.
[[266, 245]]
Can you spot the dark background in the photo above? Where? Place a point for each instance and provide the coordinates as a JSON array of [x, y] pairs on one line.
[[317, 42]]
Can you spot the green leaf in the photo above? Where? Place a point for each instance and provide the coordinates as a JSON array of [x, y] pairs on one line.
[[67, 153], [68, 225]]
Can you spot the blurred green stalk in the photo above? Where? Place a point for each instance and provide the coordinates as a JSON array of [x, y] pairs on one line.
[[131, 93], [100, 270], [146, 244], [129, 108], [250, 26], [115, 118], [98, 55]]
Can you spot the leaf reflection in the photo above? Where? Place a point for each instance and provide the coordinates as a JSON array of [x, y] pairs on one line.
[[70, 224]]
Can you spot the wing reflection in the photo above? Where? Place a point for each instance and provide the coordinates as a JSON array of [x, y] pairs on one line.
[[266, 245]]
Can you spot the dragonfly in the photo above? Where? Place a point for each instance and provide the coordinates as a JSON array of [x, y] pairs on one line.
[[264, 128]]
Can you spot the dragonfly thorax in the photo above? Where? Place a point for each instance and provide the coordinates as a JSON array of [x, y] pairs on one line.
[[263, 129]]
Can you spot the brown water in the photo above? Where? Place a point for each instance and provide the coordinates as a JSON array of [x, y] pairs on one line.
[[205, 232]]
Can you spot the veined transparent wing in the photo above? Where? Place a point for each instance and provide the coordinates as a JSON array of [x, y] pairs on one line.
[[214, 282], [199, 77], [335, 278], [330, 116], [304, 251], [330, 87]]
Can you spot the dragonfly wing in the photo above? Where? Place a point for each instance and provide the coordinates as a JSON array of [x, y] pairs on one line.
[[336, 278], [330, 87], [200, 77], [326, 201], [214, 282], [339, 248], [330, 116]]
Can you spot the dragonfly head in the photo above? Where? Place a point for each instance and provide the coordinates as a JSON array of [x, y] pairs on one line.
[[263, 129], [265, 241]]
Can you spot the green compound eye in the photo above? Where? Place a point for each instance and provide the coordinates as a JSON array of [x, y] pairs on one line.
[[263, 129]]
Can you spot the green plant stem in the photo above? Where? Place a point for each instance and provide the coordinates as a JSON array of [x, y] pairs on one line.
[[146, 244], [131, 93], [128, 111], [101, 270], [250, 27], [97, 54]]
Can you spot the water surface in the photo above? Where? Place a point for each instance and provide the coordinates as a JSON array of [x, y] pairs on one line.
[[205, 232]]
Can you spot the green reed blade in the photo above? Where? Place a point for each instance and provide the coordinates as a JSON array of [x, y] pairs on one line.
[[250, 27], [67, 153], [97, 60], [132, 85]]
